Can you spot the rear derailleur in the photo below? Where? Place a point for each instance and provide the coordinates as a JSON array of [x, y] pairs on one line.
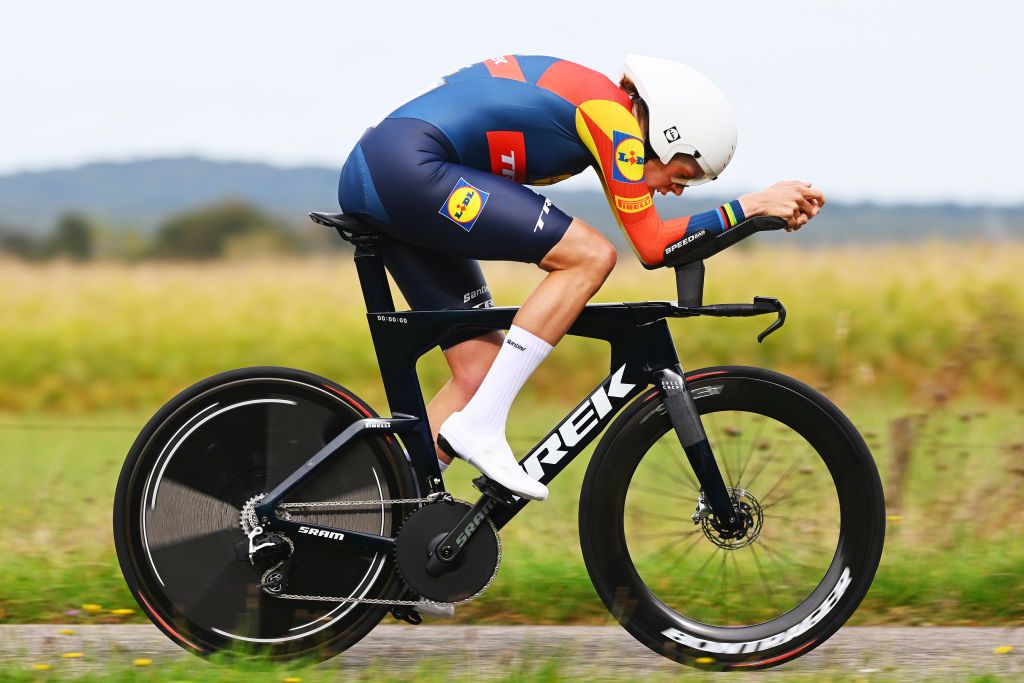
[[275, 548]]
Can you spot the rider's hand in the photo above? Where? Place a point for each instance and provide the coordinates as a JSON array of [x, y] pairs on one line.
[[794, 201]]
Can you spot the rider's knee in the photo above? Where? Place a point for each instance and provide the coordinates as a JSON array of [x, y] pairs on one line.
[[605, 258], [597, 257], [584, 249]]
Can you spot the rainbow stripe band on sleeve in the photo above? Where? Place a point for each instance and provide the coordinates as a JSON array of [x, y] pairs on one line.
[[731, 214], [717, 220]]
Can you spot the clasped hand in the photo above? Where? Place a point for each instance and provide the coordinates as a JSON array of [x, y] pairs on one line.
[[794, 201]]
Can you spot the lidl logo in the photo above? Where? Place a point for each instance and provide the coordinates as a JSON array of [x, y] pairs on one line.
[[465, 204], [628, 151]]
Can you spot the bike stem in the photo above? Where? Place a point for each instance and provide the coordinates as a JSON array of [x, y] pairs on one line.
[[682, 411]]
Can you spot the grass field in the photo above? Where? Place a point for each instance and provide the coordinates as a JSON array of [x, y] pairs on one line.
[[925, 354], [918, 320], [961, 500]]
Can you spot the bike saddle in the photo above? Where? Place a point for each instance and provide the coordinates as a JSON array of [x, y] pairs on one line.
[[347, 222]]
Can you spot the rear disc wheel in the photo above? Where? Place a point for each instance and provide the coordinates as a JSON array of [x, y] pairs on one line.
[[180, 539]]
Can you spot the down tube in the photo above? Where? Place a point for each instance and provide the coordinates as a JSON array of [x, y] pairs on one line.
[[567, 440]]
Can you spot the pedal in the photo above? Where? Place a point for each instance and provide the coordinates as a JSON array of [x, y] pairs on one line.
[[407, 614], [493, 489]]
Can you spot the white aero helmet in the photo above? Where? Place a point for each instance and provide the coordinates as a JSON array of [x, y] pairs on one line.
[[686, 113]]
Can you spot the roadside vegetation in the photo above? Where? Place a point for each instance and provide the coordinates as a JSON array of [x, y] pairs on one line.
[[924, 355]]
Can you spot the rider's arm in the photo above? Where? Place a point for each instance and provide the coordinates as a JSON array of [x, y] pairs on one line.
[[613, 137]]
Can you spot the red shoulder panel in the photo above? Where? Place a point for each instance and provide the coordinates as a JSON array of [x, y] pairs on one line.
[[577, 84], [506, 66]]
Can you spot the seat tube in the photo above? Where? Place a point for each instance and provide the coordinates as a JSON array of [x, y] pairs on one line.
[[372, 277]]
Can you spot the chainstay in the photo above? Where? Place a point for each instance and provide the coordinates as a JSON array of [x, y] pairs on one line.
[[248, 521]]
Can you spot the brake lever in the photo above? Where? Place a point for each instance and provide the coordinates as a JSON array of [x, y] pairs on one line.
[[770, 304]]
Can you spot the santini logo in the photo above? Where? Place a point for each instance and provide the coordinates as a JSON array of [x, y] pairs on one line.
[[512, 343], [336, 535]]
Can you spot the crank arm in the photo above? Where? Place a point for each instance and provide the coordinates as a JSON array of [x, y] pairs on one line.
[[450, 547], [682, 411]]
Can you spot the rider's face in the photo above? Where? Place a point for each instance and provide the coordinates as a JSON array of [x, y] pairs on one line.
[[659, 176]]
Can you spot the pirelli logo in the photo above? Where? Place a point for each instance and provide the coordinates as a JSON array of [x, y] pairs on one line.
[[633, 204]]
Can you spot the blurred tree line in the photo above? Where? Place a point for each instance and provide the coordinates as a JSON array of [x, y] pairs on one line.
[[226, 229]]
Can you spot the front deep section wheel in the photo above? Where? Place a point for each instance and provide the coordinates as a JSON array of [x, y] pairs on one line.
[[180, 533], [808, 497]]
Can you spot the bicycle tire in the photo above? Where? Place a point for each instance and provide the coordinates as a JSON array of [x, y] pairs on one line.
[[637, 604], [185, 479]]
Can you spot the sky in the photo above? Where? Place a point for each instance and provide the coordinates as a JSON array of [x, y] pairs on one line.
[[885, 101]]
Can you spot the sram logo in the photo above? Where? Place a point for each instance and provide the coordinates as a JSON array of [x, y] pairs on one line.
[[772, 641], [477, 520], [584, 419], [323, 533]]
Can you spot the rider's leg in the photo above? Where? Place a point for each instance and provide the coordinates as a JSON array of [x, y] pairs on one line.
[[577, 267], [469, 362]]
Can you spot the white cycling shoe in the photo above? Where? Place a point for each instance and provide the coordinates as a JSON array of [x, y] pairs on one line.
[[490, 454]]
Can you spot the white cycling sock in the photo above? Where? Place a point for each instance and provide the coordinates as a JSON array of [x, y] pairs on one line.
[[519, 356], [442, 464]]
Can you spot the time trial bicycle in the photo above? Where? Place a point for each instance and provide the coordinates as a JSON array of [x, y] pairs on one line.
[[731, 518]]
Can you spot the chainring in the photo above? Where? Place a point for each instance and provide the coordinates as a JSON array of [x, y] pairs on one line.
[[472, 571]]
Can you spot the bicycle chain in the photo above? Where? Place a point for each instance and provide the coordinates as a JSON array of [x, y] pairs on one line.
[[247, 516]]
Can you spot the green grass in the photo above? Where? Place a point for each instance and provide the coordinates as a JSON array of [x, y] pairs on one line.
[[58, 483], [877, 319]]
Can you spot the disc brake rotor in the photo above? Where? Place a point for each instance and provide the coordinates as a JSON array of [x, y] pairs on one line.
[[472, 571]]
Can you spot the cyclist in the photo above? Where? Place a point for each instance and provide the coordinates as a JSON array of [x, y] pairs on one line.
[[444, 175]]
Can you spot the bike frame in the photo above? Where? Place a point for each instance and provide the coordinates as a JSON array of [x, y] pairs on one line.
[[642, 354]]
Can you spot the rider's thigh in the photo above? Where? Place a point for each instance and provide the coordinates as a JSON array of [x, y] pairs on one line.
[[433, 281], [581, 246]]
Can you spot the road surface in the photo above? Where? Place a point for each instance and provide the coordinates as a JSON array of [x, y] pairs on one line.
[[591, 652]]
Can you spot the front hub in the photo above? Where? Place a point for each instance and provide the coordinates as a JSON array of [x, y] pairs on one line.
[[749, 520]]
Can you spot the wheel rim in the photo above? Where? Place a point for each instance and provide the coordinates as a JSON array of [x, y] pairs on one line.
[[673, 632], [217, 451]]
